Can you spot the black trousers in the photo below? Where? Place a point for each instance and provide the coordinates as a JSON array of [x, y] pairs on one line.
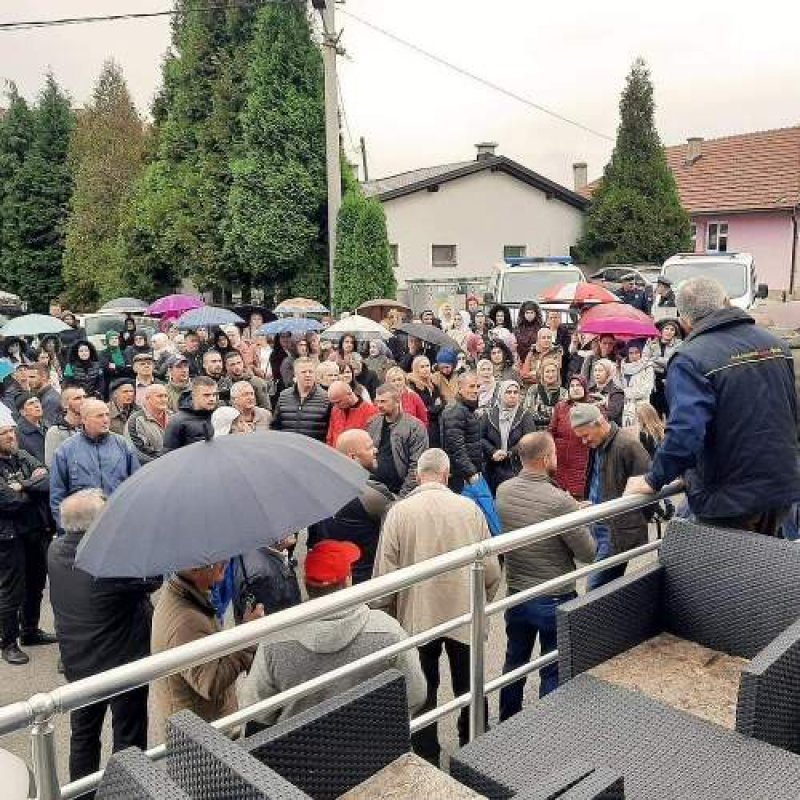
[[426, 742], [23, 572], [128, 724]]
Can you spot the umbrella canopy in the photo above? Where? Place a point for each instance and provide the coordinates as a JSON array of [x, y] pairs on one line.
[[246, 310], [214, 500], [579, 294], [33, 325], [123, 305], [174, 305], [430, 334], [619, 319], [293, 325], [207, 317], [361, 327], [300, 305], [377, 309]]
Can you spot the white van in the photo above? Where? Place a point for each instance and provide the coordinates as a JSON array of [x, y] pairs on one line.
[[735, 271], [521, 279]]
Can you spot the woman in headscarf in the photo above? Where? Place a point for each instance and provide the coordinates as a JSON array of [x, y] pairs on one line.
[[421, 381], [445, 376], [447, 316], [659, 352], [502, 362], [128, 331], [410, 401], [501, 430], [112, 359], [638, 381], [475, 346], [529, 320], [573, 454], [83, 369], [488, 385], [604, 346], [162, 352], [606, 391], [379, 359], [460, 329], [542, 397], [541, 353], [140, 345]]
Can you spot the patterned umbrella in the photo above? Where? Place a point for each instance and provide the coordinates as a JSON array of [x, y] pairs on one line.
[[293, 325], [300, 305], [618, 319], [207, 317], [174, 305], [579, 294]]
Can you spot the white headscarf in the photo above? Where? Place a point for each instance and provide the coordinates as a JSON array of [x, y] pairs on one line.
[[506, 415]]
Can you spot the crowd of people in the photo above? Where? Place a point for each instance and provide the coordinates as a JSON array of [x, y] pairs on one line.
[[526, 415]]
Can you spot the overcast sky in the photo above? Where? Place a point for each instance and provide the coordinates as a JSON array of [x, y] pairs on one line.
[[717, 70]]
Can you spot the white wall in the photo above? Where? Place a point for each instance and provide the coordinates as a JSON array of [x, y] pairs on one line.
[[480, 214]]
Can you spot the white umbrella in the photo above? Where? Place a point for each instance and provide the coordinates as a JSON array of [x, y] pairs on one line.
[[33, 325], [361, 327]]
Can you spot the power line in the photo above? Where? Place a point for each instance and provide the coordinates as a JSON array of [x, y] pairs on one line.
[[350, 139], [483, 81]]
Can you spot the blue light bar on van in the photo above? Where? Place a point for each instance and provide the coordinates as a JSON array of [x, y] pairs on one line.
[[524, 261]]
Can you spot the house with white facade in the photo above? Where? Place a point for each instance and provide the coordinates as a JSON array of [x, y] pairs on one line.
[[456, 222]]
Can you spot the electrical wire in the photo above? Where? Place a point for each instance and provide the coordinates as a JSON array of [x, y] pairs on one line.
[[466, 73], [350, 139]]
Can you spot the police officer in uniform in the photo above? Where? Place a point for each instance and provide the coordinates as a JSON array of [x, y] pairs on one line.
[[665, 296], [629, 294]]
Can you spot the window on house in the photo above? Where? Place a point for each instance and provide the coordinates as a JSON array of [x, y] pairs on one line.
[[394, 256], [443, 255], [515, 251], [717, 239], [693, 235]]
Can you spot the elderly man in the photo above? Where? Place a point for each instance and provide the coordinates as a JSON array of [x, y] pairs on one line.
[[23, 545], [235, 367], [243, 399], [72, 398], [177, 379], [185, 613], [740, 468], [95, 458], [304, 407], [143, 367], [433, 520], [348, 411], [532, 497], [31, 431], [147, 425], [101, 623], [327, 372], [400, 440], [614, 458], [192, 423], [461, 434], [122, 403], [39, 384], [360, 520]]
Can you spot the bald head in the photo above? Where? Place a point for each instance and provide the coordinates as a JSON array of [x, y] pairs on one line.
[[95, 417], [358, 446], [79, 510], [342, 395]]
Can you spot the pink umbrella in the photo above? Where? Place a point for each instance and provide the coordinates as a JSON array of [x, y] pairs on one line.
[[618, 319], [173, 305], [579, 293]]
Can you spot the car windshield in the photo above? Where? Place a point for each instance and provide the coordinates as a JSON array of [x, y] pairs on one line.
[[101, 325], [731, 275], [521, 286]]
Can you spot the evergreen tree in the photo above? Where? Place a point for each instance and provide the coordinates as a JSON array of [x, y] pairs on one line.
[[636, 214], [35, 204], [275, 227], [107, 154]]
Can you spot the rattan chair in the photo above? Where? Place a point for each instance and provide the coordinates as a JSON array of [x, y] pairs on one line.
[[328, 749], [727, 590], [131, 775]]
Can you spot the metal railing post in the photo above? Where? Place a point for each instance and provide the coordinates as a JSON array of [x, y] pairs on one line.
[[477, 649], [43, 748]]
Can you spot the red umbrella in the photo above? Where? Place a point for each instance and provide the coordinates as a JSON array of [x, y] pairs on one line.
[[619, 319], [579, 293]]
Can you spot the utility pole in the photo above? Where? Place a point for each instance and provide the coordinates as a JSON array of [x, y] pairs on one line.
[[330, 45], [364, 159]]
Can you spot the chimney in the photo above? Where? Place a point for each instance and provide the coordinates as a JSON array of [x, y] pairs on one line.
[[694, 149], [486, 150], [580, 175]]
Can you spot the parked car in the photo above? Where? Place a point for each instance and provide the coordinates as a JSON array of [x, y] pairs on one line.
[[645, 277]]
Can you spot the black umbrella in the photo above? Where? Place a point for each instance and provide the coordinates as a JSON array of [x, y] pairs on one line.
[[214, 500], [247, 309], [430, 334]]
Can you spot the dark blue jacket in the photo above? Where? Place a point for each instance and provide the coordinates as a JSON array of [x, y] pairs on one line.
[[732, 428]]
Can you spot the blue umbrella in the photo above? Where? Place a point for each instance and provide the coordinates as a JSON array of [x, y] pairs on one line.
[[290, 325], [211, 501], [207, 317]]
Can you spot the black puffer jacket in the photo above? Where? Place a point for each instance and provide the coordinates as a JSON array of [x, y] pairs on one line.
[[86, 374], [461, 440], [26, 511], [188, 425], [308, 417]]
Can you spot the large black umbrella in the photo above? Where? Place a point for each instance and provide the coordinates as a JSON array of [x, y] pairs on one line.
[[214, 500], [430, 334], [247, 309]]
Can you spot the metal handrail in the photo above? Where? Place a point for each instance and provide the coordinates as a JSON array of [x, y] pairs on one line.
[[40, 709]]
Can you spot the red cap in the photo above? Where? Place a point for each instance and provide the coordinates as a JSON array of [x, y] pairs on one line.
[[330, 562]]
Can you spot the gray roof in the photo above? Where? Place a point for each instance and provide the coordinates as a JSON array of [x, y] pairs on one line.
[[418, 179]]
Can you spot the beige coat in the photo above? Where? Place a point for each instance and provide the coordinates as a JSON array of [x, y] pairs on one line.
[[433, 520], [184, 614]]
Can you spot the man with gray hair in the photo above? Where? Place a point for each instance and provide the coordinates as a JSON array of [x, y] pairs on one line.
[[732, 427], [146, 425], [431, 521], [101, 623], [243, 399]]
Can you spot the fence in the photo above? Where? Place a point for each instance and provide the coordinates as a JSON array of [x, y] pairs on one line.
[[39, 710]]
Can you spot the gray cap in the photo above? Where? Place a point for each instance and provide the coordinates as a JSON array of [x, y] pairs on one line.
[[664, 280], [176, 359], [584, 414], [148, 356]]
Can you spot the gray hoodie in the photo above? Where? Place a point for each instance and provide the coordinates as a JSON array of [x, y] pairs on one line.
[[290, 657]]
